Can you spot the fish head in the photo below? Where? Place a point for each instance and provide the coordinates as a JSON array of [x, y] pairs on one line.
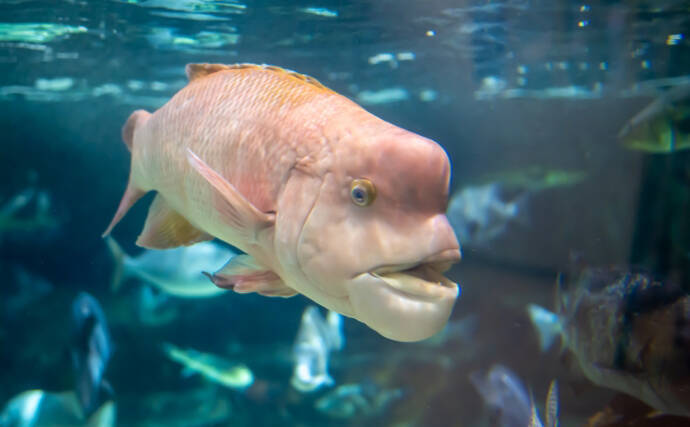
[[377, 239]]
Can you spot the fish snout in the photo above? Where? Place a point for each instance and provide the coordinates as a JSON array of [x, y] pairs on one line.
[[446, 248], [442, 261]]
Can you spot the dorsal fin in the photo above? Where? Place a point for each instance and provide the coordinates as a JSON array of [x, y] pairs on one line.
[[303, 77], [195, 71]]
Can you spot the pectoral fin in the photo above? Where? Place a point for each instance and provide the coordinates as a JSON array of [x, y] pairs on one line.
[[243, 275], [165, 228], [240, 214]]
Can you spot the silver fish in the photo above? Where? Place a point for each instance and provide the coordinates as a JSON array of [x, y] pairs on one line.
[[479, 214], [39, 408], [316, 338], [504, 393], [506, 396], [176, 271], [91, 351]]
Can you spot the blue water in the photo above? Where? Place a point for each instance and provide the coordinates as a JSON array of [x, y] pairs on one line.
[[502, 86]]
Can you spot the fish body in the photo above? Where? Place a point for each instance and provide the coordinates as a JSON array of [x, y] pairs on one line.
[[176, 272], [480, 214], [661, 127], [216, 369], [628, 332], [503, 392], [324, 198], [316, 338], [91, 351], [40, 408]]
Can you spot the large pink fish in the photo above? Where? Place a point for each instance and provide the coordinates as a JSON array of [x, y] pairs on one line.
[[326, 199]]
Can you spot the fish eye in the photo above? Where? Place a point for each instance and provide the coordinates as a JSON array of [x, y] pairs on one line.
[[362, 192]]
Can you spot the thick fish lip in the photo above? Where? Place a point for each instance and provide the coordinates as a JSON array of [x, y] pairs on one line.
[[422, 282], [407, 301], [440, 261], [423, 279]]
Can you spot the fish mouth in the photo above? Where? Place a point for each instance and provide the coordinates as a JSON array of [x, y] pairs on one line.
[[423, 279], [406, 301]]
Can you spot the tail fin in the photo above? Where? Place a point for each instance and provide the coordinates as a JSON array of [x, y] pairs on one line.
[[552, 405], [551, 408], [548, 325], [105, 416], [119, 257], [132, 193], [534, 420]]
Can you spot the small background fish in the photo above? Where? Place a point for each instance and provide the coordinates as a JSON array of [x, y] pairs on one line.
[[91, 352], [661, 127], [627, 331], [176, 272]]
